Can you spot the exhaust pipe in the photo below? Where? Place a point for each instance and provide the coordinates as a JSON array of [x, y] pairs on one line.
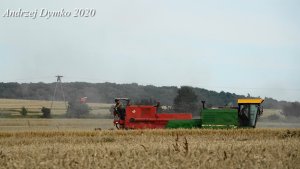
[[203, 104]]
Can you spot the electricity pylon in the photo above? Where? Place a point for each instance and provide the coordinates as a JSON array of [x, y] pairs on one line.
[[58, 82]]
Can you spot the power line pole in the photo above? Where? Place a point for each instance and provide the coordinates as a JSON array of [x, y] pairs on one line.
[[58, 82]]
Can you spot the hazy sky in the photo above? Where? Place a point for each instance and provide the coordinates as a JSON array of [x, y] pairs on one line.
[[235, 46]]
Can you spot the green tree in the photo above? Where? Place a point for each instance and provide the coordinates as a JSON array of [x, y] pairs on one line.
[[77, 109], [46, 112], [23, 111], [186, 100], [149, 101], [292, 110]]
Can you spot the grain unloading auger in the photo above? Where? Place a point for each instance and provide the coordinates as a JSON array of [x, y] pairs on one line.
[[144, 116]]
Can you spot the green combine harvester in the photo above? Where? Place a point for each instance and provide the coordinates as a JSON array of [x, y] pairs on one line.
[[147, 117], [243, 116]]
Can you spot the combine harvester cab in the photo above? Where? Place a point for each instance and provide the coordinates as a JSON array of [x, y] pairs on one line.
[[248, 111]]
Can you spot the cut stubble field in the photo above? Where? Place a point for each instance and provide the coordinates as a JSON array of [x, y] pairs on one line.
[[181, 148]]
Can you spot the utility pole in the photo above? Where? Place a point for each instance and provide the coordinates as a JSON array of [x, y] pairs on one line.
[[58, 82]]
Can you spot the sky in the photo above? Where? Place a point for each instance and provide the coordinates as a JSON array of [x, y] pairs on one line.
[[223, 45]]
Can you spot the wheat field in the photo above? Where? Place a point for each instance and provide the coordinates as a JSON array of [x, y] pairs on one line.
[[73, 143], [181, 148]]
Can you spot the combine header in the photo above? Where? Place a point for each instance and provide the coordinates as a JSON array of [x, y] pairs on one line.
[[144, 116]]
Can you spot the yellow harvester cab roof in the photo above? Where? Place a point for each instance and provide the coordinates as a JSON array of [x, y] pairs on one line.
[[254, 101]]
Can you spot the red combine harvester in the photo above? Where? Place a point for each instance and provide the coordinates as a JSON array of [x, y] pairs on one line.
[[143, 116]]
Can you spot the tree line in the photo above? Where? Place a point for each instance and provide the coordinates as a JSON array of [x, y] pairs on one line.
[[106, 92]]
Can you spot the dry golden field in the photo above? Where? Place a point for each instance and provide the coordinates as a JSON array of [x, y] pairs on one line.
[[13, 106], [73, 143], [34, 124], [181, 148]]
